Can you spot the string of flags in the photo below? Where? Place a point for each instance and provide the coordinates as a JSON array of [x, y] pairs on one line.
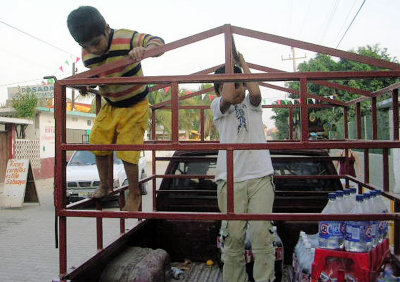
[[67, 63]]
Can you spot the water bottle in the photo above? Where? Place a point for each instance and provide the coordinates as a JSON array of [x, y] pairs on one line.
[[381, 208], [375, 223], [299, 244], [355, 230], [305, 262], [348, 204], [353, 193], [370, 236], [330, 232], [298, 254]]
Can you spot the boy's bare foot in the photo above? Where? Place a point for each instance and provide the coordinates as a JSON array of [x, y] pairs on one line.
[[133, 203], [100, 193]]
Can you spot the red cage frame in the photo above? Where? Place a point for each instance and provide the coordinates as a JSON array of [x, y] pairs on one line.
[[268, 75]]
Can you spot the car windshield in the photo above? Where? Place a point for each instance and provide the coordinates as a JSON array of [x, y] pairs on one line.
[[80, 158]]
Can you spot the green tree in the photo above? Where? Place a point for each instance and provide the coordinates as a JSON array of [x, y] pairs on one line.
[[25, 105], [189, 119], [322, 62]]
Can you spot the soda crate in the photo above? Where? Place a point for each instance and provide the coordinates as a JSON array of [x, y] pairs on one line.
[[361, 266]]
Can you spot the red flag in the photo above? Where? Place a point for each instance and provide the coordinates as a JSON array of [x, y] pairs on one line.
[[189, 92], [77, 59], [61, 69], [211, 97], [167, 89]]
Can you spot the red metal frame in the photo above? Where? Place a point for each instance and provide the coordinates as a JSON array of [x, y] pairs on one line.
[[269, 75]]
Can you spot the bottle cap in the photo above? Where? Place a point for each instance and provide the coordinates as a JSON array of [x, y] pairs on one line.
[[332, 196], [346, 192], [353, 190], [339, 193], [359, 198]]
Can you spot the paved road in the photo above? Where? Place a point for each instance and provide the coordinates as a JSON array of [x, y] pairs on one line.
[[27, 244]]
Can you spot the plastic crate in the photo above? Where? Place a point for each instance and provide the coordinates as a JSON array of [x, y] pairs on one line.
[[364, 266]]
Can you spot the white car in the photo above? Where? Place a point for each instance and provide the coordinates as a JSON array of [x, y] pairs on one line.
[[83, 177]]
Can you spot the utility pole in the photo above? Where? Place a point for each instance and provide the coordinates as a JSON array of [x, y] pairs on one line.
[[293, 58], [73, 91]]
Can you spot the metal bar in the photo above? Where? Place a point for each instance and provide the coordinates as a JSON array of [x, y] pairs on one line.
[[203, 78], [175, 112], [181, 98], [63, 245], [314, 47], [291, 124], [346, 123], [374, 119], [322, 83], [227, 216], [396, 230], [156, 51], [296, 92], [202, 124], [228, 49], [194, 146], [395, 110], [230, 181], [99, 227], [366, 165], [154, 181], [304, 110], [121, 205], [385, 160], [153, 124], [358, 120]]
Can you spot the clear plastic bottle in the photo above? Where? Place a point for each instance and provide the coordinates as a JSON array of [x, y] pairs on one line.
[[348, 204], [341, 208], [375, 223], [330, 233], [370, 236], [381, 208], [297, 254], [305, 262], [353, 193], [355, 230]]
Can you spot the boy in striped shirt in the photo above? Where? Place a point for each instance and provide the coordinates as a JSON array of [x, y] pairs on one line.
[[123, 117]]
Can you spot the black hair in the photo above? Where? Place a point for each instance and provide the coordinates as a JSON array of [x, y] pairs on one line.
[[85, 23], [221, 70]]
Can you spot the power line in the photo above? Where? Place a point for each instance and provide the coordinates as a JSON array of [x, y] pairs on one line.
[[19, 82], [37, 38], [359, 9], [329, 20]]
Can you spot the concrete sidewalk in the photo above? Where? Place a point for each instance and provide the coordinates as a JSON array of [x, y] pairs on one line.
[[27, 236]]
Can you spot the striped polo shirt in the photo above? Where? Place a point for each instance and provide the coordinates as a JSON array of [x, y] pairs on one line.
[[121, 41]]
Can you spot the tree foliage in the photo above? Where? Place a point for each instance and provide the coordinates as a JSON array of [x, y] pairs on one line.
[[25, 105], [189, 119], [321, 63]]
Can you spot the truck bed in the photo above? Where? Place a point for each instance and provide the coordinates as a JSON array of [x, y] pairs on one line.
[[199, 271]]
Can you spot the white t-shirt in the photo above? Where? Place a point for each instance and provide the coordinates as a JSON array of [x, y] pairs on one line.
[[241, 123]]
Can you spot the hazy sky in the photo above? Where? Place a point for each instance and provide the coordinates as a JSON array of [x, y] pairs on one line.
[[25, 60]]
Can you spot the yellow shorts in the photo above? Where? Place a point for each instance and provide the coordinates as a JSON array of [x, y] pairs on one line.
[[121, 126]]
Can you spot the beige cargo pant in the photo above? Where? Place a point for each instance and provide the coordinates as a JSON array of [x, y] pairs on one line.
[[250, 196]]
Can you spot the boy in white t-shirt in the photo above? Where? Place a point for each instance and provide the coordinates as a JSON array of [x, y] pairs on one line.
[[238, 118]]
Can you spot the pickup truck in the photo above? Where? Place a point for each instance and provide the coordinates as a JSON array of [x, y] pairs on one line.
[[299, 194], [193, 189]]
